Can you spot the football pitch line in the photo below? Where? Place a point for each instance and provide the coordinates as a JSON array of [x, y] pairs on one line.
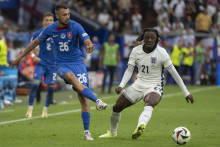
[[107, 97]]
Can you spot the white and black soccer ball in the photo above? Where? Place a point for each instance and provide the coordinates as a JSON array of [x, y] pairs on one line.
[[181, 135]]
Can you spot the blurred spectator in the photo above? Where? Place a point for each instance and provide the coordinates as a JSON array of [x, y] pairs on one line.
[[83, 11], [3, 49], [190, 22], [95, 54], [162, 29], [190, 10], [178, 27], [216, 17], [110, 58], [176, 56], [200, 58], [116, 27], [11, 52], [127, 28], [125, 6], [214, 29], [208, 72], [200, 5], [212, 8], [110, 23], [1, 18], [188, 59], [167, 23], [188, 34], [115, 14], [203, 23], [160, 5], [178, 9], [26, 69], [73, 5], [136, 22], [103, 17], [161, 15]]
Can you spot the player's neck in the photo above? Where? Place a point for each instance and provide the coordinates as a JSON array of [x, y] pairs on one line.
[[61, 25]]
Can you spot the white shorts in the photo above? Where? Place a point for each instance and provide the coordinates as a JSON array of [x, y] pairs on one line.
[[135, 96]]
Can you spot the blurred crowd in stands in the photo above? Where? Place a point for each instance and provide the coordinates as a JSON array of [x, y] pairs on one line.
[[190, 19]]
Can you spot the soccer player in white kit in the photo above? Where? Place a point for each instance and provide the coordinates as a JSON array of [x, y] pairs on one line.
[[151, 60]]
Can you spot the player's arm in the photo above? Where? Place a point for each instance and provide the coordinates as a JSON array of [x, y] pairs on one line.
[[179, 81], [89, 45], [29, 48], [127, 76]]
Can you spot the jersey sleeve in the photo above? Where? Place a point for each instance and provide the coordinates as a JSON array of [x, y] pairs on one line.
[[132, 59], [81, 33], [166, 59], [44, 35]]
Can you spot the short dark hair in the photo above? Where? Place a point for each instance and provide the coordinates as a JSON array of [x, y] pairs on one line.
[[141, 37], [60, 6], [48, 14]]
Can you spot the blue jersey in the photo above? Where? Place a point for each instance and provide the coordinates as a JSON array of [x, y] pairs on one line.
[[66, 40], [46, 53]]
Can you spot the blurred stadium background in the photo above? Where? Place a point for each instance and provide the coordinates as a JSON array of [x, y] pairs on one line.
[[187, 20]]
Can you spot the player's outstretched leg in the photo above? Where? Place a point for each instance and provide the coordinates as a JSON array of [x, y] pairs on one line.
[[85, 115], [32, 95], [100, 105], [114, 120], [143, 120], [85, 91]]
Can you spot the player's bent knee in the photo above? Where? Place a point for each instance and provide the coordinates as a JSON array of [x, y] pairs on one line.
[[117, 108]]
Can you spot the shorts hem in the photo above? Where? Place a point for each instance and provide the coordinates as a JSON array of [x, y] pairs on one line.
[[127, 97]]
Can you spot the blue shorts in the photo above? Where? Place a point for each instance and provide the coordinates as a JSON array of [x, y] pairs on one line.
[[79, 70], [49, 72]]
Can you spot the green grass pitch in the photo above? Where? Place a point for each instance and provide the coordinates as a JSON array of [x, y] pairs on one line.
[[64, 126]]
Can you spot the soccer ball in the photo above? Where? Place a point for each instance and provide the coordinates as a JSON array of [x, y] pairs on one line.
[[181, 135]]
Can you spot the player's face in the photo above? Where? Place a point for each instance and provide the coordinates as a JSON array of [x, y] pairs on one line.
[[63, 16], [150, 39], [47, 21]]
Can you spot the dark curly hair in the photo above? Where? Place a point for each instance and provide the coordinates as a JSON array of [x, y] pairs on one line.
[[141, 37]]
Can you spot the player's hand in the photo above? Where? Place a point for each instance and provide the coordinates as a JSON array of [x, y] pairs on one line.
[[118, 90], [90, 48], [36, 59], [15, 62], [189, 97]]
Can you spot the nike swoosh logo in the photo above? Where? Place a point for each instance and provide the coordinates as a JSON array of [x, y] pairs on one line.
[[55, 35]]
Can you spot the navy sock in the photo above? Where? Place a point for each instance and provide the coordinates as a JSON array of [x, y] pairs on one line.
[[86, 120], [89, 94], [50, 91], [33, 93]]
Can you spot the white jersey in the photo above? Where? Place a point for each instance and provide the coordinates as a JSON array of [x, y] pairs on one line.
[[150, 66]]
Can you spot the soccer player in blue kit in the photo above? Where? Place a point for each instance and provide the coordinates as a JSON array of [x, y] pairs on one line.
[[66, 34], [45, 65]]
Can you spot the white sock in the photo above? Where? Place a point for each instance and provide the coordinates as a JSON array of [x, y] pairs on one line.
[[115, 118], [145, 115], [30, 107], [45, 108]]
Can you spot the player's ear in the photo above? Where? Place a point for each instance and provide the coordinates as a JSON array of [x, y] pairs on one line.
[[57, 16]]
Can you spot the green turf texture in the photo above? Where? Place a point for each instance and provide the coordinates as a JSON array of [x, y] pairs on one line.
[[202, 119]]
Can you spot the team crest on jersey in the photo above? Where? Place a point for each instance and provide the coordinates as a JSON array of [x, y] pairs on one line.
[[153, 60], [63, 36], [69, 35]]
